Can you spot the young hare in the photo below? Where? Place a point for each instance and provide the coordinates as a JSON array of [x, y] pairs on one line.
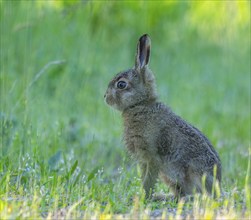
[[164, 144]]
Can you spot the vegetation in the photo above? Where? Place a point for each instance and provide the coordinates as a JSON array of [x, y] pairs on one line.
[[61, 151]]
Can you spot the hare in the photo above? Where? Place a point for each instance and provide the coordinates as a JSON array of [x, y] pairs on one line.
[[163, 144]]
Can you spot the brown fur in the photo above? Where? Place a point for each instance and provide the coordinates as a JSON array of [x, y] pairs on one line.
[[163, 143]]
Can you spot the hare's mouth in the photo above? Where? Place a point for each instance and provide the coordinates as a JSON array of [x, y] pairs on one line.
[[109, 100]]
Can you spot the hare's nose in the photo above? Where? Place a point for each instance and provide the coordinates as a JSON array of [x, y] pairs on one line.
[[104, 95]]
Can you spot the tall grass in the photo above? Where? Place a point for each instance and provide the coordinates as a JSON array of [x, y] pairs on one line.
[[61, 152]]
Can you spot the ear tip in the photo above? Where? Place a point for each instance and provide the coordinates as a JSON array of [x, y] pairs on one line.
[[145, 38]]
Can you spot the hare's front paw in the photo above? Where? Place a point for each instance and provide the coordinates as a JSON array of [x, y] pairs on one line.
[[160, 197]]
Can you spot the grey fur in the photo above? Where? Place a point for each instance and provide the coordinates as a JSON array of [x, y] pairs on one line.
[[164, 144]]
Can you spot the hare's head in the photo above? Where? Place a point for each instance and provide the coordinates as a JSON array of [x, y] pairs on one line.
[[135, 86]]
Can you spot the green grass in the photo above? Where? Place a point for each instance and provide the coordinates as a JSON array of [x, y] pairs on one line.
[[61, 150]]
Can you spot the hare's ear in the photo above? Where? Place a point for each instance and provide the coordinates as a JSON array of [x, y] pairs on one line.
[[143, 52]]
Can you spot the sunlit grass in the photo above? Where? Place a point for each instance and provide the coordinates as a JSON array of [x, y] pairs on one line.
[[61, 152]]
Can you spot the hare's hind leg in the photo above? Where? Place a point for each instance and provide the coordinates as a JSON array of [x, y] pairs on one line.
[[175, 187], [203, 184], [212, 186]]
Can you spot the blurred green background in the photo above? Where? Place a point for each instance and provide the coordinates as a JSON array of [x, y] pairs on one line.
[[54, 112]]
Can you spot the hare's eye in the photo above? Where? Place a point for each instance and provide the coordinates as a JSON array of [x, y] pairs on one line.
[[121, 84]]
